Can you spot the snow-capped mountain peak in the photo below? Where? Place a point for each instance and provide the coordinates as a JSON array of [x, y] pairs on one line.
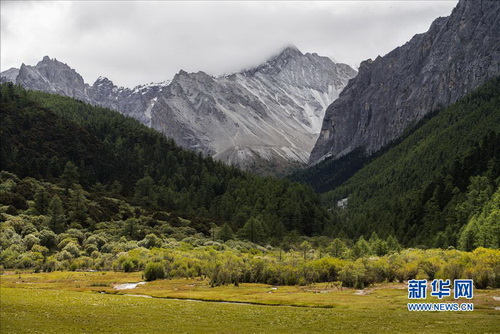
[[267, 116]]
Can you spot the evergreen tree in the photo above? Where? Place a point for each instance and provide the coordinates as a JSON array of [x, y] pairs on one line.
[[69, 176], [253, 230], [78, 206], [225, 232], [483, 229], [57, 217], [116, 188], [467, 240], [145, 192], [131, 228], [373, 238], [41, 201], [337, 248], [361, 248], [305, 247], [277, 230], [392, 243], [377, 245]]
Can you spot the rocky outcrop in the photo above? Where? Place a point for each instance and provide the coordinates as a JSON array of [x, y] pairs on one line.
[[135, 103], [9, 75], [432, 70], [52, 76]]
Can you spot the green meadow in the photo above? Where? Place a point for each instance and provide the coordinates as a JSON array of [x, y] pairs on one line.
[[74, 302]]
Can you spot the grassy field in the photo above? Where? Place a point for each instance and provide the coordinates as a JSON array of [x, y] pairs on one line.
[[70, 302]]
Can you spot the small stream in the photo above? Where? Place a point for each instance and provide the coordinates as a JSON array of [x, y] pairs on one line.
[[219, 301], [127, 286]]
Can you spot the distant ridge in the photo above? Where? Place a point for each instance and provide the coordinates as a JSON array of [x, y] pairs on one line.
[[264, 119]]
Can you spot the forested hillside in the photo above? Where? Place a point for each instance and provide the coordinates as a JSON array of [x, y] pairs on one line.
[[434, 187], [65, 141], [46, 227], [331, 173], [87, 188], [428, 186]]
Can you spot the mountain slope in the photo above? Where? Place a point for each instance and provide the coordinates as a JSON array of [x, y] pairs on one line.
[[432, 70], [40, 133], [272, 112], [419, 188], [267, 116]]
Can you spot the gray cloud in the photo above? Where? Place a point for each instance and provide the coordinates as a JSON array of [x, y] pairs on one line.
[[138, 42]]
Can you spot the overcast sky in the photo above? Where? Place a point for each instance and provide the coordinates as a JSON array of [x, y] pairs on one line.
[[133, 43]]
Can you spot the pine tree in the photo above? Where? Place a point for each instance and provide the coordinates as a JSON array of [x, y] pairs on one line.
[[276, 229], [337, 248], [361, 248], [57, 217], [116, 188], [392, 243], [69, 176], [225, 232], [144, 191], [305, 247], [253, 230], [78, 207], [41, 201]]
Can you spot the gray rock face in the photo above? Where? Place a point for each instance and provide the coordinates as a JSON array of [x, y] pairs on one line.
[[135, 103], [432, 70], [272, 112], [269, 115], [9, 75], [52, 76]]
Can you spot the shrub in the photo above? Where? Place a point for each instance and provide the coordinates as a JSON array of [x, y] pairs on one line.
[[352, 275], [47, 238], [96, 240], [65, 242], [73, 249], [64, 255], [150, 241], [30, 240], [90, 248], [27, 229], [40, 249], [154, 271], [128, 266], [8, 237], [8, 257]]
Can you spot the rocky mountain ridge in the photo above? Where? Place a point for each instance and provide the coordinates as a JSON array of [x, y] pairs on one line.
[[265, 118], [434, 69]]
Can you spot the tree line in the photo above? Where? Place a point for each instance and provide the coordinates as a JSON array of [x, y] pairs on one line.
[[49, 137], [427, 187]]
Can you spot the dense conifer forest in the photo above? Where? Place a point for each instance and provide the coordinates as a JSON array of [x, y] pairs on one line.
[[84, 187], [42, 134], [436, 186]]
